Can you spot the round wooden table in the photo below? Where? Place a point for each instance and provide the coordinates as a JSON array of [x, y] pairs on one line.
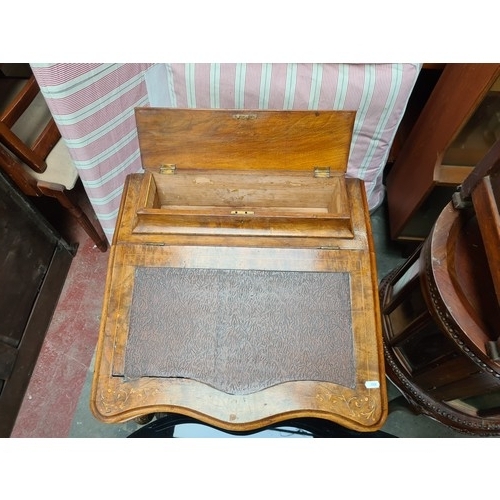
[[441, 324]]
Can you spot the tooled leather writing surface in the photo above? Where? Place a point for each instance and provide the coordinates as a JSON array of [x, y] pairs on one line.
[[241, 331]]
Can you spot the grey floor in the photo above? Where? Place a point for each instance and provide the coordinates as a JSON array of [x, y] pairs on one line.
[[399, 423]]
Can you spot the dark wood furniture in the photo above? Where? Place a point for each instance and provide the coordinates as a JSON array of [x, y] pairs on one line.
[[424, 85], [458, 124], [34, 261], [33, 154], [241, 287], [482, 190], [441, 311]]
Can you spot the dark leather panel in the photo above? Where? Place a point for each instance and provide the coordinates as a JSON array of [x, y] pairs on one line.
[[241, 331]]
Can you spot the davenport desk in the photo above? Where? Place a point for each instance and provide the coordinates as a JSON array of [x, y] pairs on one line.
[[242, 287]]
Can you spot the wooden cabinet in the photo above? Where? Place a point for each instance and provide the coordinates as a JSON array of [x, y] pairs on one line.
[[34, 261], [458, 124]]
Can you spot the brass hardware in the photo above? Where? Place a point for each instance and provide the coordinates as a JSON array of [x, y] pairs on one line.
[[242, 212], [169, 168], [321, 171]]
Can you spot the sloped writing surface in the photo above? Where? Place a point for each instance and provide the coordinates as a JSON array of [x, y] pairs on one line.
[[241, 331]]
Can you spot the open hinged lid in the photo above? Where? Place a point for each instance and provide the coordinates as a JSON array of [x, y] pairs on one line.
[[244, 139], [246, 173]]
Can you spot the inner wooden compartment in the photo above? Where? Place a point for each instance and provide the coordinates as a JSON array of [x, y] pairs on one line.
[[242, 203]]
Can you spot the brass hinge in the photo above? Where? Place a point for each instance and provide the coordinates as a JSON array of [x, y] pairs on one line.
[[169, 168], [321, 171]]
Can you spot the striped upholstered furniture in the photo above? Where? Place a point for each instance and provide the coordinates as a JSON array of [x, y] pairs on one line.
[[93, 106]]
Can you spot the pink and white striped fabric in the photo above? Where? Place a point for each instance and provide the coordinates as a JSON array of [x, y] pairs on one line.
[[93, 106]]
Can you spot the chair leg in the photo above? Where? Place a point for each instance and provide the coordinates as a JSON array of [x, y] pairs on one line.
[[58, 191]]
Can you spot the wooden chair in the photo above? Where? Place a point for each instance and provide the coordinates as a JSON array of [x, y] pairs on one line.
[[33, 153]]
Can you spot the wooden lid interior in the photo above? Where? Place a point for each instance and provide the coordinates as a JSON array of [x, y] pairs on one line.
[[244, 139]]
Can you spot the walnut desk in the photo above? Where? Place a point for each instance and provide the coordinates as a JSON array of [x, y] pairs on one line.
[[242, 286]]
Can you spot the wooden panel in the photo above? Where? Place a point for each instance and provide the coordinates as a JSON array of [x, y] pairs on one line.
[[244, 139], [46, 141], [453, 100], [8, 356], [448, 175], [34, 262], [26, 93], [25, 254], [488, 218], [474, 384]]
